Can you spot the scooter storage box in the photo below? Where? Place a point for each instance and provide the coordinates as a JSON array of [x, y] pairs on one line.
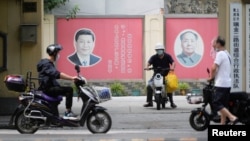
[[104, 93], [15, 83]]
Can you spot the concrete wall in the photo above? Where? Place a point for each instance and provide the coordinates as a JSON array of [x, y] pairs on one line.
[[113, 7], [154, 20], [21, 56], [10, 26], [48, 33], [153, 24], [31, 51], [224, 29], [153, 33]]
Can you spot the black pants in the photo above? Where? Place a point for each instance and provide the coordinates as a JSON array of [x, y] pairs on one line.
[[63, 91]]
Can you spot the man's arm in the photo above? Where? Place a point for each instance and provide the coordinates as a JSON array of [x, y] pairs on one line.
[[213, 71], [67, 77], [172, 66], [148, 65]]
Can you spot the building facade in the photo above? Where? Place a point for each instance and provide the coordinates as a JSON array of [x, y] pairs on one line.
[[25, 30]]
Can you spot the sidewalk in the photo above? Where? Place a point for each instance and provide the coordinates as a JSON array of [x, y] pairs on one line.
[[125, 111], [134, 104]]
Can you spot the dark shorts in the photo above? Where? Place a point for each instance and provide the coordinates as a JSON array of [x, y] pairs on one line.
[[221, 98]]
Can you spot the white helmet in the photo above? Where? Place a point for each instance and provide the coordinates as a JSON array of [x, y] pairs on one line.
[[159, 46]]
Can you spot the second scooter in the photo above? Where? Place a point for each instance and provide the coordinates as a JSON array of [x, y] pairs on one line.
[[159, 90]]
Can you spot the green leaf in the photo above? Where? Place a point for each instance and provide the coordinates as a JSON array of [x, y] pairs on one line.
[[49, 5]]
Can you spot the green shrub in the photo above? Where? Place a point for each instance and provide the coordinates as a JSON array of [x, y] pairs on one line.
[[117, 89], [183, 86]]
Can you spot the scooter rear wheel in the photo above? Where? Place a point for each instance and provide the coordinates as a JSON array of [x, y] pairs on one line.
[[99, 122], [26, 125]]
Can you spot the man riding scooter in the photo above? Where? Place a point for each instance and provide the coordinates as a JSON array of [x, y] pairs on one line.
[[48, 75], [163, 60]]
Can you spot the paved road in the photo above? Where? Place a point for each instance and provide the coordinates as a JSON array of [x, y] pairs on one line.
[[129, 113], [129, 116]]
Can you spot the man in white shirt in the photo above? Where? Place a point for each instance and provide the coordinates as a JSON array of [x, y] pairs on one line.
[[221, 73]]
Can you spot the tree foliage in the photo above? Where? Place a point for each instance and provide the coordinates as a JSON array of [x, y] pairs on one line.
[[49, 5]]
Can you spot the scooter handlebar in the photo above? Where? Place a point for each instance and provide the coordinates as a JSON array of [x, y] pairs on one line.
[[159, 68]]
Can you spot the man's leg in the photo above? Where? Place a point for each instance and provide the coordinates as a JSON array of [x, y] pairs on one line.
[[224, 114], [149, 95], [68, 93], [170, 97]]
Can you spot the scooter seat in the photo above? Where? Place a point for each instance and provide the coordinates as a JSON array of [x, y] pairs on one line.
[[52, 99], [48, 97]]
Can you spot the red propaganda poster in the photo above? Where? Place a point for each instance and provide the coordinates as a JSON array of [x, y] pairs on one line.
[[189, 41], [104, 48]]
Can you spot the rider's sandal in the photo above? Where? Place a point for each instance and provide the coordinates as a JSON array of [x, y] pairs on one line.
[[234, 122]]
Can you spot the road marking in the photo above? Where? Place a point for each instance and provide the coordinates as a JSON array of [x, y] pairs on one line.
[[137, 139], [156, 139], [188, 139]]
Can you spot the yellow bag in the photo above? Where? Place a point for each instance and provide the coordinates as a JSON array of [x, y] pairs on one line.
[[171, 82]]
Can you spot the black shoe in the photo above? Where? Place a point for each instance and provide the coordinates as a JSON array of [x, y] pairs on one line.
[[150, 104], [173, 105]]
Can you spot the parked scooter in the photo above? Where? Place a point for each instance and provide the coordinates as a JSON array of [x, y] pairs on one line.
[[159, 88], [200, 118], [37, 110]]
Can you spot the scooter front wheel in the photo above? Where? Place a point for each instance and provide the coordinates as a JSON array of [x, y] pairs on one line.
[[99, 122], [199, 121], [158, 101]]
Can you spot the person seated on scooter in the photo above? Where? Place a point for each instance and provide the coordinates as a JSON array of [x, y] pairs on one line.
[[221, 73], [48, 75], [163, 60]]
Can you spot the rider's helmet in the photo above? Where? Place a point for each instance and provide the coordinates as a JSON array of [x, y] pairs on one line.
[[159, 46], [53, 49]]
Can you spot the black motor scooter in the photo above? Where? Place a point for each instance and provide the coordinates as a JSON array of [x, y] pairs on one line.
[[239, 105], [37, 110]]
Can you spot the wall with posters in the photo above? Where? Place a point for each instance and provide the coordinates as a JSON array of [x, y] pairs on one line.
[[116, 45], [192, 36]]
